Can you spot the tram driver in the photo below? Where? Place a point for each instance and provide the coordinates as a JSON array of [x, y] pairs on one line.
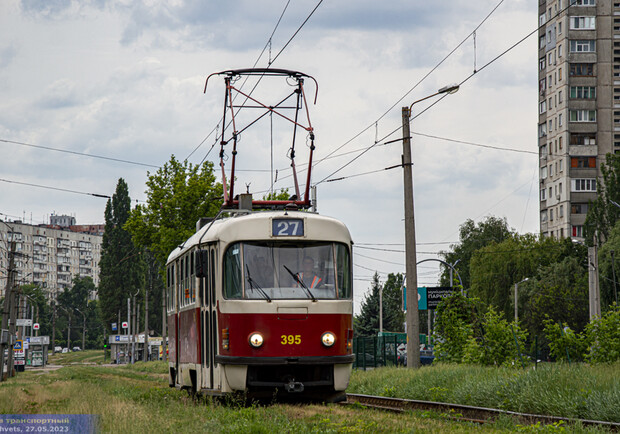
[[308, 276]]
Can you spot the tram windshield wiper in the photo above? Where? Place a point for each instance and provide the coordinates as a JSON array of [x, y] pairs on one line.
[[300, 282], [254, 285]]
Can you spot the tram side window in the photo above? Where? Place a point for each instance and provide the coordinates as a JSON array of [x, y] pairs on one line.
[[170, 288], [192, 278], [232, 272], [344, 271]]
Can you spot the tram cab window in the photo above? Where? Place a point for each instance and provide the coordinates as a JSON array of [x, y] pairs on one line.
[[267, 270], [170, 288]]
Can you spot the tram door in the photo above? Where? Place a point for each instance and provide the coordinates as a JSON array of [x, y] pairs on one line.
[[208, 315]]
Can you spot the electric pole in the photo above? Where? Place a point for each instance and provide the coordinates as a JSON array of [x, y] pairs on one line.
[[6, 340], [413, 315]]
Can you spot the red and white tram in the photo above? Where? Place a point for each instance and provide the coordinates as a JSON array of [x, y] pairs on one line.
[[262, 301]]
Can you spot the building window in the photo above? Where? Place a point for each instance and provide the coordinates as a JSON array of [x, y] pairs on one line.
[[560, 120], [542, 107], [543, 172], [543, 150], [543, 216], [579, 208], [578, 185], [583, 162], [542, 42], [542, 63], [582, 46], [560, 46], [542, 130], [542, 20], [583, 2], [582, 23], [582, 115], [578, 231], [561, 165], [561, 212], [583, 92], [551, 214], [577, 139], [581, 69], [543, 195]]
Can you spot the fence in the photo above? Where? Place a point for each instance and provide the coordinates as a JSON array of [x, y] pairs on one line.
[[376, 351]]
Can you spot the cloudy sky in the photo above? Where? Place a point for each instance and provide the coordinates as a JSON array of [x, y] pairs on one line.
[[124, 80]]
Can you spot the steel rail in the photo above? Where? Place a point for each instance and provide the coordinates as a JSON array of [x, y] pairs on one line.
[[466, 412]]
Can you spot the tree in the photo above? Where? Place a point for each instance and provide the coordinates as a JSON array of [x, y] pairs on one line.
[[496, 268], [178, 195], [473, 237], [602, 213], [559, 292], [367, 321], [608, 255], [121, 266]]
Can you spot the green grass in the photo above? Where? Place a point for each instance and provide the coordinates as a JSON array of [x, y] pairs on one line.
[[577, 391], [84, 357], [137, 399]]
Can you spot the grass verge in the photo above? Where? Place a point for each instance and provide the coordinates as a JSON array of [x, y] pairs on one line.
[[576, 391], [137, 399]]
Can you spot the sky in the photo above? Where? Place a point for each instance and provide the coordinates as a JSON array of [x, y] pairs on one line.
[[124, 79]]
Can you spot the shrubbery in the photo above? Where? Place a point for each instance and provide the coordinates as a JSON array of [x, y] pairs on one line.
[[463, 335]]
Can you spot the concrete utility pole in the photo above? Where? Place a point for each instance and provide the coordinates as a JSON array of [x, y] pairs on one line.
[[146, 315], [413, 315], [83, 329], [594, 294], [6, 340]]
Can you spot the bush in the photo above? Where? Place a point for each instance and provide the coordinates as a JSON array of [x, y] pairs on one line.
[[564, 343], [603, 334]]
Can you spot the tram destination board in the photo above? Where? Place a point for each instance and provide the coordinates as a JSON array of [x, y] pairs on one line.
[[287, 227], [435, 295]]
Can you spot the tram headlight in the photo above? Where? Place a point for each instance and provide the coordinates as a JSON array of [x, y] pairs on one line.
[[328, 339], [256, 340]]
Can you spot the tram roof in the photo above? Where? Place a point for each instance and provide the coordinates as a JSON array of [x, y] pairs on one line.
[[257, 226]]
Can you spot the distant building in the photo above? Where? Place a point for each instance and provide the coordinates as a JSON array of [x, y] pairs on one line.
[[62, 220], [578, 107], [51, 255]]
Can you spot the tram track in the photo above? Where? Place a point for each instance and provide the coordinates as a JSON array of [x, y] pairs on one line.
[[466, 413]]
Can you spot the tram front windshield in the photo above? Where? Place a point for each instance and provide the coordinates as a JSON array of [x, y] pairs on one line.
[[275, 271]]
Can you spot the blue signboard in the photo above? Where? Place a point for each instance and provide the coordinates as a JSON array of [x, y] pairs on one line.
[[18, 345], [421, 298], [114, 327]]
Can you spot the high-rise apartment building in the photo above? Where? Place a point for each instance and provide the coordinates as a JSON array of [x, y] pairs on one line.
[[579, 106], [50, 255]]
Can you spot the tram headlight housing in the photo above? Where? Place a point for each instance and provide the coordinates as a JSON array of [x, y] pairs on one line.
[[256, 340], [328, 339]]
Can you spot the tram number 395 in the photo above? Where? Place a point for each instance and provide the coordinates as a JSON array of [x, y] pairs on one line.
[[290, 339]]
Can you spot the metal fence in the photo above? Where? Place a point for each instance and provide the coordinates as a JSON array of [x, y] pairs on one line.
[[376, 351]]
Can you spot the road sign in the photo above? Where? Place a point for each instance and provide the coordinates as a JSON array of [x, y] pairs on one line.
[[114, 327], [125, 324], [35, 326], [23, 322], [435, 295], [19, 345]]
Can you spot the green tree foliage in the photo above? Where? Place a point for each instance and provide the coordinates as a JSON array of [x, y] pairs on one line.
[[367, 322], [473, 237], [498, 346], [283, 194], [121, 266], [564, 343], [608, 255], [559, 291], [75, 301], [36, 297], [497, 267], [178, 195], [465, 335], [457, 320], [603, 335], [602, 213]]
